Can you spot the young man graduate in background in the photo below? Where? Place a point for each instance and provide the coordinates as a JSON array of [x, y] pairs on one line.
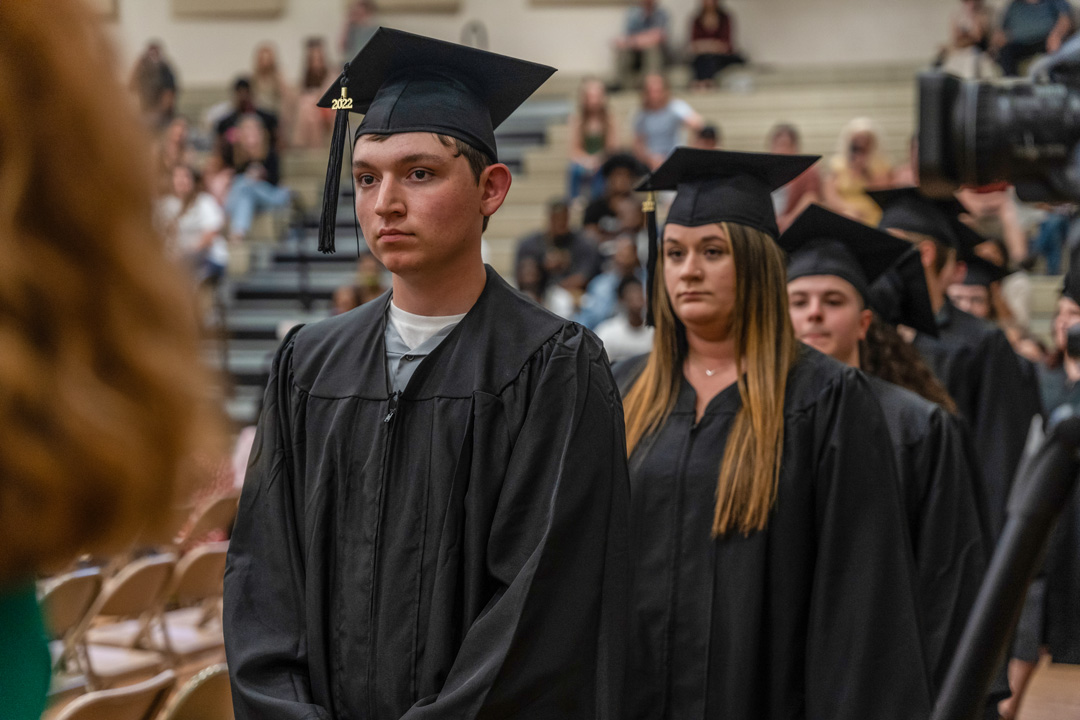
[[832, 263], [435, 519], [972, 357]]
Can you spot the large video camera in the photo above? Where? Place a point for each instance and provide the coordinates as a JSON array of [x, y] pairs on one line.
[[1025, 132]]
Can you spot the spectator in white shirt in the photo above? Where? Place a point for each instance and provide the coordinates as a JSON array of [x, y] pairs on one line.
[[626, 335], [192, 221]]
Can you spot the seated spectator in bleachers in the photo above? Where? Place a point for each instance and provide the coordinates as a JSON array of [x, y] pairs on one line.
[[601, 296], [858, 166], [192, 222], [1011, 296], [255, 176], [621, 172], [712, 44], [270, 91], [345, 298], [567, 258], [533, 282], [1030, 28], [594, 135], [370, 278], [643, 47], [708, 138], [313, 123], [360, 25], [801, 192], [154, 83], [625, 335], [243, 104], [662, 122], [966, 55], [172, 148]]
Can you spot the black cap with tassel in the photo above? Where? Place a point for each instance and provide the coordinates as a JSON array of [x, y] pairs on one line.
[[406, 83], [328, 220]]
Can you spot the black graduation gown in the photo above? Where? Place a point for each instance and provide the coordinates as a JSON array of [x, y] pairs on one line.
[[814, 617], [458, 550], [993, 392], [944, 521]]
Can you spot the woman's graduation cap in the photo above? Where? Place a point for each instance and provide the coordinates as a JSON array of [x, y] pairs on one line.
[[901, 297], [717, 186], [820, 242], [406, 83]]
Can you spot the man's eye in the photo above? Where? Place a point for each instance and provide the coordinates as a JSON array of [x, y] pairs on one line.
[[365, 180], [421, 174]]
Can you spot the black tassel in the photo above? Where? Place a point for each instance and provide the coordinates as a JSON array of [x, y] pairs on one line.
[[649, 208], [332, 188]]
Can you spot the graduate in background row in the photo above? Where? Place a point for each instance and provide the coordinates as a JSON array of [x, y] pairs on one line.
[[832, 262], [434, 522], [972, 294], [994, 392], [772, 572]]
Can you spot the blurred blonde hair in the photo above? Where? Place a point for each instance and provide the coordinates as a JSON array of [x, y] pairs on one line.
[[101, 386], [877, 161]]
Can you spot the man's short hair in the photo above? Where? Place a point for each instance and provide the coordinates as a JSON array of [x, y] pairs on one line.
[[478, 160], [242, 83]]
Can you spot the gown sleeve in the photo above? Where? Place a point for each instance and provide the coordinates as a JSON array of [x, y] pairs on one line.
[[864, 653], [550, 641], [265, 638], [950, 549]]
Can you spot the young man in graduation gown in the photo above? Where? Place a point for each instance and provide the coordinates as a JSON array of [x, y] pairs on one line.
[[973, 359], [434, 523], [832, 262]]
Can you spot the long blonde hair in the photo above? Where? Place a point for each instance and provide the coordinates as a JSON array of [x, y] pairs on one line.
[[765, 343], [101, 387]]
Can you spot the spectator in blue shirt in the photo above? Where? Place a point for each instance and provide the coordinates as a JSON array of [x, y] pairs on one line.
[[601, 297], [643, 47], [1029, 28]]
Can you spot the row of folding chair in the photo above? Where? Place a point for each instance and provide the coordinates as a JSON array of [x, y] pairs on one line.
[[111, 629], [206, 696]]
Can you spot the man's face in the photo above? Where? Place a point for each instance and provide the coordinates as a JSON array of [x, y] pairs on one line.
[[974, 299], [242, 96], [559, 220], [633, 299], [620, 181], [1067, 315], [828, 315], [418, 205], [783, 144]]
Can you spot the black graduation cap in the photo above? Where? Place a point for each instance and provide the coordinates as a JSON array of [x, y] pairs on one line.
[[715, 186], [404, 83], [820, 242], [983, 272], [909, 210], [900, 296]]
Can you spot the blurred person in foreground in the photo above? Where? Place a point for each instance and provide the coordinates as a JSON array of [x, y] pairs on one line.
[[100, 377]]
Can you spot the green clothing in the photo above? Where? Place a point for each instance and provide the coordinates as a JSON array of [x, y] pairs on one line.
[[24, 656]]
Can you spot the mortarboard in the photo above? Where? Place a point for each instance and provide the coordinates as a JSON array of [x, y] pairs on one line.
[[900, 296], [820, 242], [716, 186], [983, 272], [909, 210], [405, 83]]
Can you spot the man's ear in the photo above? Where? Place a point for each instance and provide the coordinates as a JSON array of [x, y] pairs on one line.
[[494, 184]]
